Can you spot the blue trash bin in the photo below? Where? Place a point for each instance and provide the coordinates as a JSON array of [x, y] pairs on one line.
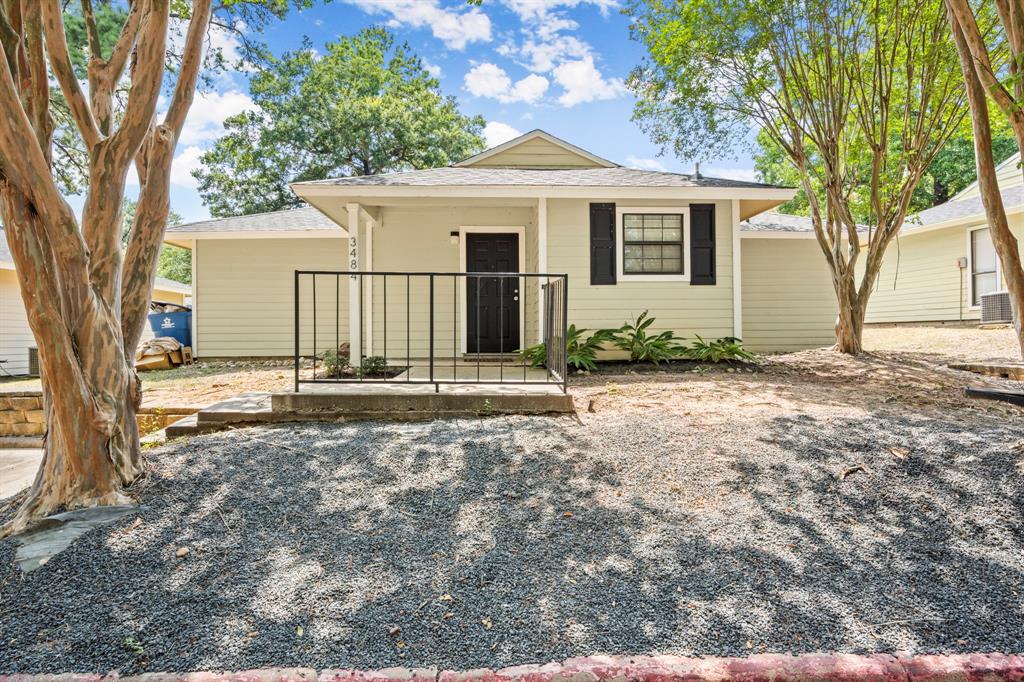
[[176, 325]]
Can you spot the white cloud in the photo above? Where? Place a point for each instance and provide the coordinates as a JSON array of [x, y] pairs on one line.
[[206, 116], [544, 55], [456, 27], [490, 80], [540, 9], [582, 82], [433, 69], [183, 165], [496, 133], [745, 174], [645, 164]]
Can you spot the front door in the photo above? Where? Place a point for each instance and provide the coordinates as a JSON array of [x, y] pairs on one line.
[[492, 303]]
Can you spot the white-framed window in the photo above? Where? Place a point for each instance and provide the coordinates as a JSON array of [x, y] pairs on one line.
[[653, 243], [983, 265]]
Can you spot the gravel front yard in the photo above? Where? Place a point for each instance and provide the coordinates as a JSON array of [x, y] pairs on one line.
[[698, 515]]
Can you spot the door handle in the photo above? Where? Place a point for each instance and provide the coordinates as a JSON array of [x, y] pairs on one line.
[[515, 298]]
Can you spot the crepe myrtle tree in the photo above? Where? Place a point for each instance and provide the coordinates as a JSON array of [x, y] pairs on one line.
[[85, 298], [859, 95], [991, 52]]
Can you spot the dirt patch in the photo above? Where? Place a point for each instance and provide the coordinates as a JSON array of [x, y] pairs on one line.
[[815, 381], [945, 344]]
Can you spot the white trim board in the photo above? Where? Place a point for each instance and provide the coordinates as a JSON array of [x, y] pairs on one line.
[[520, 231], [969, 232], [620, 211]]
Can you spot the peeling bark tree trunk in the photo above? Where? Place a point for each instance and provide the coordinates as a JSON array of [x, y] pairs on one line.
[[86, 303], [976, 69]]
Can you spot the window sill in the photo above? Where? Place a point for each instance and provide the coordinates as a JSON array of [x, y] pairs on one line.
[[653, 278]]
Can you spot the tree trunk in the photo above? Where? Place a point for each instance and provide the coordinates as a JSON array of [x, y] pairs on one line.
[[91, 445], [1005, 243], [850, 319]]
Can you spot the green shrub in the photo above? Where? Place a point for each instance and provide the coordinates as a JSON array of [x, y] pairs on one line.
[[633, 338], [373, 365], [725, 349], [335, 363], [580, 354]]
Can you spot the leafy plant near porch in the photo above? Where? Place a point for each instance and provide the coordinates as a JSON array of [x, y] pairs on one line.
[[580, 353], [634, 338], [335, 362], [725, 349]]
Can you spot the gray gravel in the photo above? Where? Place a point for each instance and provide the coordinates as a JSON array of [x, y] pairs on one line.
[[500, 541]]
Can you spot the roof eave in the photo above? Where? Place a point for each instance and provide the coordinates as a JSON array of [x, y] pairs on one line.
[[306, 190], [961, 220]]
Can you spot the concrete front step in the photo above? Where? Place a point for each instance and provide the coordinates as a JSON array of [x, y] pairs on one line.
[[260, 408], [405, 405]]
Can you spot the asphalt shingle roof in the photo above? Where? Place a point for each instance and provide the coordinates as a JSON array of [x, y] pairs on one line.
[[777, 222], [963, 208], [519, 177], [294, 219]]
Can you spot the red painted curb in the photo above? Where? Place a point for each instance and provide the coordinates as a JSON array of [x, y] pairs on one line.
[[762, 668]]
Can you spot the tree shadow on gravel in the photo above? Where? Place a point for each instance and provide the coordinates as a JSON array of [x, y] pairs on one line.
[[490, 542]]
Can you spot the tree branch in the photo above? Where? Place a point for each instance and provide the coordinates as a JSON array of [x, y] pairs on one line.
[[147, 77], [60, 63]]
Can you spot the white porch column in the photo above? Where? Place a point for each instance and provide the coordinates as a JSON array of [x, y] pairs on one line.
[[542, 260], [352, 258], [368, 287], [737, 272]]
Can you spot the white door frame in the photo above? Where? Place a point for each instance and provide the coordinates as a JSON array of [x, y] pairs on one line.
[[520, 232]]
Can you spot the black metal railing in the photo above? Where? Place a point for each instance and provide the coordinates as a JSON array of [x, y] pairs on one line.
[[429, 328]]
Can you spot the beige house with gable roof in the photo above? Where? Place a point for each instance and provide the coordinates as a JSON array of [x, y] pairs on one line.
[[628, 240]]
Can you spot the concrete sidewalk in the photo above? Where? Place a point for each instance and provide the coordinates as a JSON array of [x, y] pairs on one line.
[[17, 469]]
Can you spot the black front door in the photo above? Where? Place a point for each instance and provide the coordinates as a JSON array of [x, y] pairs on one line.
[[492, 303]]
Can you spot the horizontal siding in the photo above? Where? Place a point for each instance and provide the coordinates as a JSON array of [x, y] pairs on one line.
[[245, 296], [679, 306], [15, 334], [420, 239], [920, 280], [788, 300], [537, 153]]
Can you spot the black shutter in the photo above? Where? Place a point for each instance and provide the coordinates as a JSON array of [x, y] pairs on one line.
[[602, 243], [702, 243]]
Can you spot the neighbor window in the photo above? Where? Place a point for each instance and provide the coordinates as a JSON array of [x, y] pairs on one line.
[[984, 265], [652, 243]]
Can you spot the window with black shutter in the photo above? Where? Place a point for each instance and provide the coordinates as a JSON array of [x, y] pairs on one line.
[[702, 244], [602, 243]]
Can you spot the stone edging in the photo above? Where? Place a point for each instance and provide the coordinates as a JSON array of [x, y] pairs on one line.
[[762, 668]]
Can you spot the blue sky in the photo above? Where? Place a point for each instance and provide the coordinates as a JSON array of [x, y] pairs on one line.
[[558, 65]]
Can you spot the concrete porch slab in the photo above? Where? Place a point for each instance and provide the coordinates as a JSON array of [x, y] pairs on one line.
[[421, 401]]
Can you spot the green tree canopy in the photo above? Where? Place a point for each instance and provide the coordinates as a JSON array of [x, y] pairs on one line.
[[951, 171], [367, 106], [859, 96]]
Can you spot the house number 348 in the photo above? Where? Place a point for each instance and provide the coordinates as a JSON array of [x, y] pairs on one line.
[[353, 253]]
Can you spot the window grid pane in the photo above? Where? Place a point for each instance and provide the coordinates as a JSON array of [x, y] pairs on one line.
[[652, 243]]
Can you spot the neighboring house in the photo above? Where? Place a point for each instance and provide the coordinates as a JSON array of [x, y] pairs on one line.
[[629, 240], [16, 336], [943, 261]]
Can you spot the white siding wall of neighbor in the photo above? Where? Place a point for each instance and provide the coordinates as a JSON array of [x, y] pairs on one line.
[[244, 307], [920, 280], [684, 308], [788, 300], [15, 334]]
